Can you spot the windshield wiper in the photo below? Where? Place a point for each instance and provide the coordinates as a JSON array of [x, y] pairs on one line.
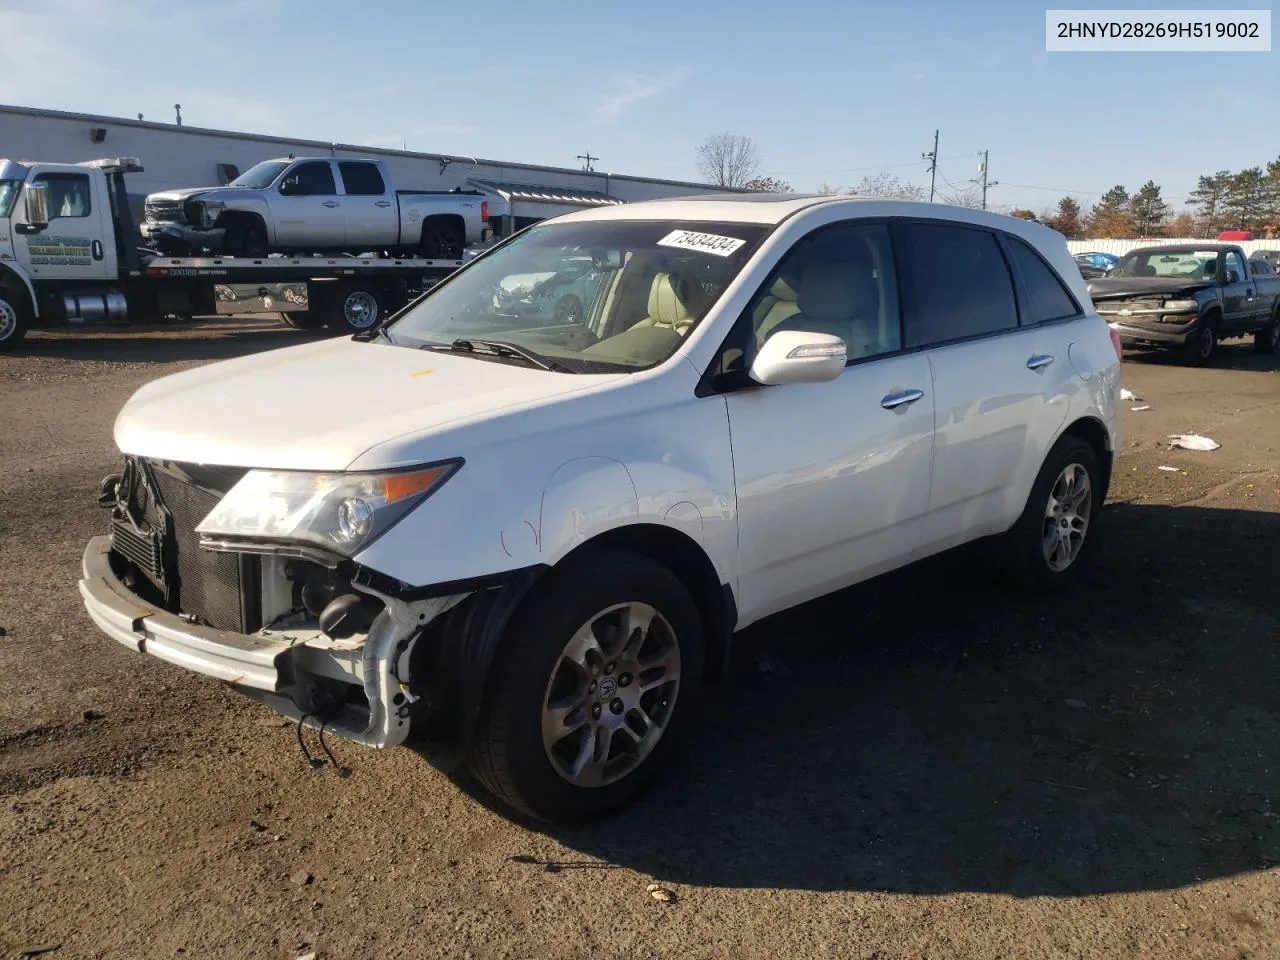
[[375, 333], [500, 348]]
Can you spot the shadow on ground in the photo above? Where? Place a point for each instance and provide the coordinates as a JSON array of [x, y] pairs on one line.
[[1231, 355], [927, 733]]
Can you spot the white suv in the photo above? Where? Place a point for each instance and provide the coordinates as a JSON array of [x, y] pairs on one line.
[[533, 541]]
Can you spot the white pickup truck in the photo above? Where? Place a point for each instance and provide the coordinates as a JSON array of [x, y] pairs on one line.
[[314, 204]]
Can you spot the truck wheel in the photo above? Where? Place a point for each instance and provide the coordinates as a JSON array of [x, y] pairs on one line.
[[591, 689], [14, 319], [1267, 339], [1199, 350], [441, 241], [303, 319], [1043, 550], [245, 238], [351, 308]]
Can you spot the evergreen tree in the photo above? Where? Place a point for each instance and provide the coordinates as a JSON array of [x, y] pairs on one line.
[[1148, 210], [1112, 218]]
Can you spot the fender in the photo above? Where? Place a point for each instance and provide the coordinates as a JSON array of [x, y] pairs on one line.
[[7, 271]]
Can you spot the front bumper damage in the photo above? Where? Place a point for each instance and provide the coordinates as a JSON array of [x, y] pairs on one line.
[[1142, 326], [183, 235], [293, 669]]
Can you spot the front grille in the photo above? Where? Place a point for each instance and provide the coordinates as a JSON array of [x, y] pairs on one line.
[[164, 211], [1115, 306], [220, 590]]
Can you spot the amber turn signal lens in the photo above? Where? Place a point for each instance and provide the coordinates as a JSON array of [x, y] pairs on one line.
[[397, 486]]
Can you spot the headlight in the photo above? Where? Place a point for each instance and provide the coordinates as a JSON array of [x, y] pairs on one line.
[[341, 512], [1176, 306]]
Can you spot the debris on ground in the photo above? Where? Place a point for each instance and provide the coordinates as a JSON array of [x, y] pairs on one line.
[[3, 632], [256, 827], [301, 878], [1127, 394], [1145, 406], [1192, 441], [1168, 469], [26, 952], [89, 716], [661, 893], [306, 955]]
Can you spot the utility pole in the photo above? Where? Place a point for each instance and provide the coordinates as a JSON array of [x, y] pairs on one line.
[[177, 109], [982, 169], [586, 159], [933, 165]]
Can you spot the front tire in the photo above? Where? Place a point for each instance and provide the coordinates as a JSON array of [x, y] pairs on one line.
[[1267, 339], [592, 688], [1200, 349], [14, 319], [1043, 551], [245, 238]]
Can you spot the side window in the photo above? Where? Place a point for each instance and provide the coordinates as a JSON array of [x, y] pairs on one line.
[[310, 180], [68, 194], [1233, 264], [1260, 268], [838, 280], [960, 281], [361, 179], [1050, 299]]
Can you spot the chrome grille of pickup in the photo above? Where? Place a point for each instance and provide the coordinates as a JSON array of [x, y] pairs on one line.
[[164, 211]]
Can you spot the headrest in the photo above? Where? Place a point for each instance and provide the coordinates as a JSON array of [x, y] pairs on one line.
[[838, 291], [670, 300], [782, 289]]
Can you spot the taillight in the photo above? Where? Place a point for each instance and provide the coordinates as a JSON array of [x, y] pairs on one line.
[[484, 210], [1115, 342]]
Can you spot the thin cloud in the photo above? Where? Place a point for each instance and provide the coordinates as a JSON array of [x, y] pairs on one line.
[[633, 88], [431, 130]]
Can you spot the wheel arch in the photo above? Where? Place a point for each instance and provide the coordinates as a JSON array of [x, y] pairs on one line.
[[437, 219], [229, 218], [20, 284], [1093, 432]]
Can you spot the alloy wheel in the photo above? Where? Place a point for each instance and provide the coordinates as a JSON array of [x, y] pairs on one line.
[[1066, 517]]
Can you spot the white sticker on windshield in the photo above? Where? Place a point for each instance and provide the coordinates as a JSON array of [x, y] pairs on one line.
[[702, 242]]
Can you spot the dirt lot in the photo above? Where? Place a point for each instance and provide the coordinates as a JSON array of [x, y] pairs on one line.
[[920, 767]]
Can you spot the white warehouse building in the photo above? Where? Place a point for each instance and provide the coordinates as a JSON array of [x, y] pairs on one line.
[[180, 156]]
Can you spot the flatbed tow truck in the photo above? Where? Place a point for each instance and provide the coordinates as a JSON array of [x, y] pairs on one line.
[[70, 253]]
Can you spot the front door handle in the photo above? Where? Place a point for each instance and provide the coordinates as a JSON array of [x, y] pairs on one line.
[[901, 398], [329, 203], [382, 203], [1039, 361]]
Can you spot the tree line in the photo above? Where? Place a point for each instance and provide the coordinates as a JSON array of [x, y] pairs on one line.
[[1243, 200]]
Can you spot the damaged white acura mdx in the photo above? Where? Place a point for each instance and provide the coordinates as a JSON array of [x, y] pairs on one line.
[[528, 534]]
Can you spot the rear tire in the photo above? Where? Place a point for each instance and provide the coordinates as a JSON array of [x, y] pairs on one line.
[[1267, 339], [15, 317], [608, 643], [441, 240], [1203, 345], [1044, 549]]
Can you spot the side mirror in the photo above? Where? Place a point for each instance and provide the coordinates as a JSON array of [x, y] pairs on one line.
[[799, 356], [37, 207], [290, 187]]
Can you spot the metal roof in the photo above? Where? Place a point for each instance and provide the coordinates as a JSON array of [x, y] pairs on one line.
[[542, 193]]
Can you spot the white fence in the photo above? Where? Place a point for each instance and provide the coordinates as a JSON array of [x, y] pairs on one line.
[[1120, 247]]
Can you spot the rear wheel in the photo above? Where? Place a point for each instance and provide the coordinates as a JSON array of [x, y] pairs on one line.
[[1267, 339], [441, 240], [350, 308], [14, 319], [1044, 549], [303, 320], [1199, 350], [596, 681]]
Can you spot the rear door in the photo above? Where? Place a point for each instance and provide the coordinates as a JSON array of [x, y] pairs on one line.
[[998, 349], [368, 207], [309, 215]]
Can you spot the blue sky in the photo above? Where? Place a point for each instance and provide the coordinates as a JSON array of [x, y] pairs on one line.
[[829, 91]]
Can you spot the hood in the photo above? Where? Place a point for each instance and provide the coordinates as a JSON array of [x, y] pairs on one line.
[[1112, 288], [186, 193], [319, 406]]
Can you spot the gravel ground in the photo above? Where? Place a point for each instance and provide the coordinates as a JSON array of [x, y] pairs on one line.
[[923, 766]]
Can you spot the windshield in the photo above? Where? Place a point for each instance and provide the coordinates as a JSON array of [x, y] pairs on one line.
[[260, 175], [1183, 264], [8, 193], [591, 297]]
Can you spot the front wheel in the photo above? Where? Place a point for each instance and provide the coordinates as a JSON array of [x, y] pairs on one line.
[[1044, 549], [13, 320], [1267, 339], [245, 238], [1202, 345], [591, 689]]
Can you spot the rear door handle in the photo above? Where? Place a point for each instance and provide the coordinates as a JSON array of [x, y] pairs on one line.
[[382, 203], [329, 203], [1039, 361], [903, 397]]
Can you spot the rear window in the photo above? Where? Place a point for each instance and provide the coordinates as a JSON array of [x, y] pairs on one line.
[[361, 179], [1050, 299], [961, 284]]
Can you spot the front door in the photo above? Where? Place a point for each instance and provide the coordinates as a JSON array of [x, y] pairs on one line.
[[307, 210], [832, 478], [1238, 301], [78, 243], [369, 209]]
